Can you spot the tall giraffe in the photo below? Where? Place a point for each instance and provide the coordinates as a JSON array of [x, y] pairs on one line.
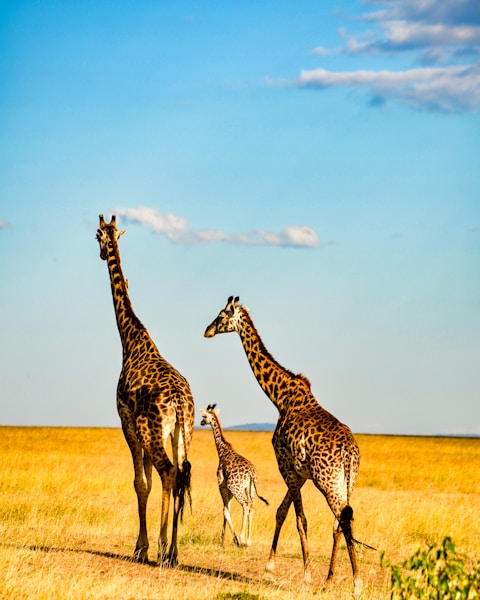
[[237, 478], [308, 441], [155, 404]]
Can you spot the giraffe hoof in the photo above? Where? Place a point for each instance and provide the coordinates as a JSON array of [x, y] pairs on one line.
[[357, 587], [168, 562], [270, 568], [307, 579], [141, 556]]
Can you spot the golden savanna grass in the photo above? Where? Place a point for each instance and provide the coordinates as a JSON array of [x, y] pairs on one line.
[[68, 517]]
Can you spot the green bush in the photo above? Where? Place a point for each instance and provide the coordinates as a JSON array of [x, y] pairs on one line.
[[438, 573]]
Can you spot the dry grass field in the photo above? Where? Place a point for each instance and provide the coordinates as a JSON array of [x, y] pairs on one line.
[[69, 524]]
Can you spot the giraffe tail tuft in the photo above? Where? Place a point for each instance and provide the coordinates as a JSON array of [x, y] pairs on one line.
[[345, 523], [263, 500], [184, 486]]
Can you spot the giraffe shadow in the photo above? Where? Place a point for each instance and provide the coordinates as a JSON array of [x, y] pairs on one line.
[[210, 572], [219, 574], [112, 555]]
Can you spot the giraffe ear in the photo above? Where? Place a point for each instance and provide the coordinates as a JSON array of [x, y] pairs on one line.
[[203, 412], [120, 233]]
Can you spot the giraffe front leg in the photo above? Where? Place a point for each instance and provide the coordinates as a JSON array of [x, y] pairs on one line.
[[282, 512], [302, 532], [227, 497], [228, 519]]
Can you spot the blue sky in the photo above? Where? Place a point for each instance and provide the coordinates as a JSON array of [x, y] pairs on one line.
[[319, 159]]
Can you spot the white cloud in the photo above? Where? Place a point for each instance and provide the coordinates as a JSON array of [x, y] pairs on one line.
[[440, 37], [447, 89], [177, 230], [403, 35], [172, 226]]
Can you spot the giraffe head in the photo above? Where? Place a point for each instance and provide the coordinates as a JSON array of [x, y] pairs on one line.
[[207, 415], [227, 320], [106, 233]]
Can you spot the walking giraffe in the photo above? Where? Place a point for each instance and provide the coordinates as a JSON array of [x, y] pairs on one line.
[[237, 478], [308, 441], [155, 404]]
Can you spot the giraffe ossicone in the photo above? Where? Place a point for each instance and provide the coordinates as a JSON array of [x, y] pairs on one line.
[[155, 405], [309, 442], [237, 478]]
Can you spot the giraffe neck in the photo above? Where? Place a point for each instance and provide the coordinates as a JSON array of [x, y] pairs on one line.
[[223, 447], [276, 381], [127, 321]]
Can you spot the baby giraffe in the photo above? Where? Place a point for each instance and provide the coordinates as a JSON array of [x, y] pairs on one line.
[[237, 478]]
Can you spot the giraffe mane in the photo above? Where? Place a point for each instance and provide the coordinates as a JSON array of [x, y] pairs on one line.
[[268, 354], [123, 280], [220, 428]]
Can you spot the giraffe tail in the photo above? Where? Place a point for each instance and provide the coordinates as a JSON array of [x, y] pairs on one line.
[[258, 495], [364, 545], [183, 475], [345, 520], [184, 486]]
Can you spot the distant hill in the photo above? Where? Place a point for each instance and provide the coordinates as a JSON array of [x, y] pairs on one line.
[[252, 427]]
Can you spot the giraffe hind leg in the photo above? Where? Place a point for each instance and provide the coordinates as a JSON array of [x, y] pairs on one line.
[[246, 532], [247, 505], [346, 519], [142, 484], [337, 532], [343, 525]]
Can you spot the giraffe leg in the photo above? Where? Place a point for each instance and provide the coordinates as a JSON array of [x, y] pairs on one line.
[[166, 475], [142, 484], [172, 559], [181, 489], [346, 519], [282, 512], [227, 518], [245, 533], [302, 532], [337, 532], [249, 525], [242, 539], [251, 496]]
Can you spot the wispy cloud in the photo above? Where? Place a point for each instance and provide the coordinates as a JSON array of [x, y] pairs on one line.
[[439, 29], [448, 89], [440, 38], [177, 230]]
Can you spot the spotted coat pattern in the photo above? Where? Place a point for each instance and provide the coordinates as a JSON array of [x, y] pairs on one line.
[[309, 442], [155, 404], [237, 478]]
